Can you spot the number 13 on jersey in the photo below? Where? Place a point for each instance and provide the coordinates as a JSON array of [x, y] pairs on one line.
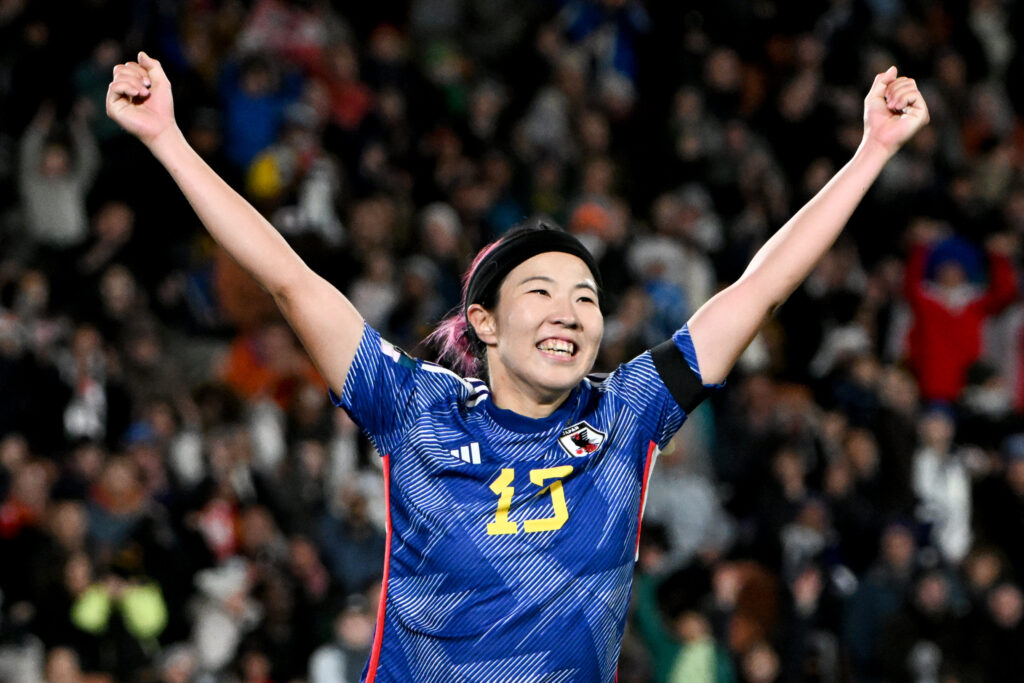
[[503, 487]]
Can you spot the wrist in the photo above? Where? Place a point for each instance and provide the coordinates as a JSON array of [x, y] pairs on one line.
[[873, 149], [166, 142]]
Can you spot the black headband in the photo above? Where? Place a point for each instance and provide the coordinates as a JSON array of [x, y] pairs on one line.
[[518, 247]]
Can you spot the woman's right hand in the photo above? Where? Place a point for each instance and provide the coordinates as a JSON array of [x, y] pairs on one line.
[[139, 99]]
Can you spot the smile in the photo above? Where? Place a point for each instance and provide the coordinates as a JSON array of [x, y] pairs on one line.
[[558, 347]]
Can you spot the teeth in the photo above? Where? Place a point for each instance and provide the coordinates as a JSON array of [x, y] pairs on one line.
[[557, 346]]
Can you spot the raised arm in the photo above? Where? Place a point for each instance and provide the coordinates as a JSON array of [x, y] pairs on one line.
[[139, 99], [87, 155], [31, 147], [893, 111]]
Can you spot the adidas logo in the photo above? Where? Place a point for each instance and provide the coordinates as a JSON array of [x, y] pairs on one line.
[[470, 453]]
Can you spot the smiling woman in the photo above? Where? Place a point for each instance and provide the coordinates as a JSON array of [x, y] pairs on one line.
[[530, 318], [518, 497], [514, 504]]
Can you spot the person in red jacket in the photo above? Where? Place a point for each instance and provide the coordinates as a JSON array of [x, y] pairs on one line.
[[944, 285]]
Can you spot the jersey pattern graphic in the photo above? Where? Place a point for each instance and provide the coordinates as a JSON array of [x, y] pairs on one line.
[[512, 540]]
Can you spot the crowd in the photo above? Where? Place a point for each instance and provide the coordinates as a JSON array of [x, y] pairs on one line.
[[180, 502]]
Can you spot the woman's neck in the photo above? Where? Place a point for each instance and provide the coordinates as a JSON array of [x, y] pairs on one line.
[[506, 396]]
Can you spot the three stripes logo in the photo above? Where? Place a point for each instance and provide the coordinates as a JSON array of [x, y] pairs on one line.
[[469, 454]]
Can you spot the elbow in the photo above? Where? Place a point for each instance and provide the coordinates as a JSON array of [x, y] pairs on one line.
[[284, 292], [765, 294], [288, 288]]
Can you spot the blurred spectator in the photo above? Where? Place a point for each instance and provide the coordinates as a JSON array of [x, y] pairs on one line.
[[341, 660], [419, 305], [761, 664], [124, 613], [256, 95], [387, 141], [1001, 631], [942, 483], [268, 363], [879, 596], [810, 648], [928, 638], [683, 500], [91, 79], [442, 240], [674, 256], [700, 656], [62, 666], [983, 568], [54, 177], [985, 409], [99, 408], [178, 664], [944, 289], [295, 181], [895, 425], [353, 547], [998, 504], [375, 293], [224, 613]]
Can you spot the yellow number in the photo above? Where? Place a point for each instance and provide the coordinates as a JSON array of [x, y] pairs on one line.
[[556, 521], [502, 486]]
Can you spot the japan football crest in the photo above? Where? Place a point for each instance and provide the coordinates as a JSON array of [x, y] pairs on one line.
[[581, 439]]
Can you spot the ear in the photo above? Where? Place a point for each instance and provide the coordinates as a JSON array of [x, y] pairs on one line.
[[482, 322]]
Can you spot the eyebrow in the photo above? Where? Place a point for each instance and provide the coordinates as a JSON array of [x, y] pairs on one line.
[[545, 278]]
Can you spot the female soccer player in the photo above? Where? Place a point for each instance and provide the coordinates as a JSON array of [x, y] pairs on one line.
[[514, 504]]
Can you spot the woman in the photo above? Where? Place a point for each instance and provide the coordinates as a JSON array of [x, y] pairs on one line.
[[514, 504]]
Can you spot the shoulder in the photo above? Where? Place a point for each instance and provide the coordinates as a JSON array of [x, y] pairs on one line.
[[380, 366], [631, 385], [437, 382]]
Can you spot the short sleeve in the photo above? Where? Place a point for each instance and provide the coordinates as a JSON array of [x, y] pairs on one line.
[[676, 362], [662, 386], [382, 389]]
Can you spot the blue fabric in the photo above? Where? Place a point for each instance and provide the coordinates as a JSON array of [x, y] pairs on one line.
[[541, 589]]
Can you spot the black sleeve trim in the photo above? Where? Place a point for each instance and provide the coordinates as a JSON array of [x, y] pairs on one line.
[[682, 382]]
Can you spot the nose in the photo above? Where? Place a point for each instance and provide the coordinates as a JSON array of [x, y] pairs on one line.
[[564, 314], [568, 322]]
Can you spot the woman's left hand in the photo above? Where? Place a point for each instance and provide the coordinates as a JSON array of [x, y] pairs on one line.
[[894, 110]]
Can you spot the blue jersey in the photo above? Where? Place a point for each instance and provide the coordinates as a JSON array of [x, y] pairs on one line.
[[510, 540]]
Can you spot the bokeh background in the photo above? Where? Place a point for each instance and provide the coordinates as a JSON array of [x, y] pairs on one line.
[[179, 501]]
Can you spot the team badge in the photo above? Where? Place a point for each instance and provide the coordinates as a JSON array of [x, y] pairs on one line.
[[581, 439]]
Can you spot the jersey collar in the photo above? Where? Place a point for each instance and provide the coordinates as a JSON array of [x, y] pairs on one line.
[[513, 421]]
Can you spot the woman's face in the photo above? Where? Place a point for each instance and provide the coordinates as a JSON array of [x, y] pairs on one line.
[[545, 331]]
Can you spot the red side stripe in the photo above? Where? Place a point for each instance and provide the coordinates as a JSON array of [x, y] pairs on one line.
[[378, 634], [643, 492]]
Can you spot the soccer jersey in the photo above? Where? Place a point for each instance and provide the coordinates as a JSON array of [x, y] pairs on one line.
[[510, 540]]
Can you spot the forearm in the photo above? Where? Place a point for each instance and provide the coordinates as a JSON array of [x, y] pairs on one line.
[[139, 99], [1002, 288], [245, 234], [913, 273], [31, 150], [893, 111], [788, 257], [723, 327], [86, 153]]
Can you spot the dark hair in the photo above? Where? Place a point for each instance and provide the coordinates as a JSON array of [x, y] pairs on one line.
[[458, 344]]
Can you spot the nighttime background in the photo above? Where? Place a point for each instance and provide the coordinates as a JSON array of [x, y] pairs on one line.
[[179, 501]]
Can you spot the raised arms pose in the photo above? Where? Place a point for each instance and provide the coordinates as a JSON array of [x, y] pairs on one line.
[[139, 99], [514, 503]]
